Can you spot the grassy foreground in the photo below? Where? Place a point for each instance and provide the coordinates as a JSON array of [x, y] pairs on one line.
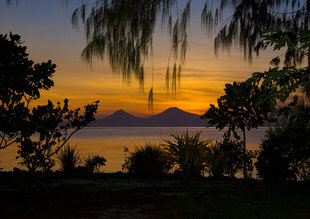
[[119, 195]]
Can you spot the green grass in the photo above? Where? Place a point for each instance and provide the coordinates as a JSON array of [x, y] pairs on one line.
[[119, 195]]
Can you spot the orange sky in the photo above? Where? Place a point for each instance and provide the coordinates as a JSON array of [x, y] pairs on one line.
[[45, 27]]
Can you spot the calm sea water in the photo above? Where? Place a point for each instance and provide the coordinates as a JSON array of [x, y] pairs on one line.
[[110, 142]]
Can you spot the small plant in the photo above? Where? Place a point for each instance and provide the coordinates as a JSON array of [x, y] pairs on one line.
[[93, 163], [215, 161], [147, 161], [227, 158], [187, 153], [69, 158]]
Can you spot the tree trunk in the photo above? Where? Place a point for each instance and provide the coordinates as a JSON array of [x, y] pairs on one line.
[[306, 23], [244, 155]]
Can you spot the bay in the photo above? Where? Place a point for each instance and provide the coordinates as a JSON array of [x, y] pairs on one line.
[[111, 141]]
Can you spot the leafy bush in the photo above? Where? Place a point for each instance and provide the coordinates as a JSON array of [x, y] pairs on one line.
[[187, 153], [285, 154], [93, 163], [215, 161], [147, 161], [227, 158], [69, 158]]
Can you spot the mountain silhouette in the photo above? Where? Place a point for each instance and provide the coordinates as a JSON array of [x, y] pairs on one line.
[[172, 117], [119, 118]]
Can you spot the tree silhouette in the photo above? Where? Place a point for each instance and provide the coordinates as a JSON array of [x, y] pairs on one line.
[[288, 81], [244, 106], [21, 82]]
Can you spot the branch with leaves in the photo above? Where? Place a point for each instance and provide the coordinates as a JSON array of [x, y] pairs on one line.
[[41, 132], [20, 82], [47, 130]]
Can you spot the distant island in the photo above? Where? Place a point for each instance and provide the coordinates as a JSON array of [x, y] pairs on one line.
[[172, 117]]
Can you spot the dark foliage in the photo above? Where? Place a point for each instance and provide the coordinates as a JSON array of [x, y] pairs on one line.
[[244, 106], [227, 158], [250, 20], [120, 29], [69, 158], [41, 132], [93, 163], [284, 82], [20, 82], [147, 161], [54, 127], [187, 153], [285, 154]]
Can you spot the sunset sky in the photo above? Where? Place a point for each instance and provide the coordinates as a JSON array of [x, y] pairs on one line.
[[45, 26]]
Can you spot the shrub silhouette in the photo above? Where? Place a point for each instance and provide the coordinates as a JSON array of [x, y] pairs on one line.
[[93, 163], [147, 161], [285, 155], [69, 158], [215, 161], [187, 153], [226, 159]]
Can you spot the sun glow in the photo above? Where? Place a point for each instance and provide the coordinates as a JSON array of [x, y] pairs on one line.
[[202, 80]]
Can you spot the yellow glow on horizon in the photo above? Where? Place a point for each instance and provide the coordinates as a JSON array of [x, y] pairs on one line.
[[202, 82], [203, 78]]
